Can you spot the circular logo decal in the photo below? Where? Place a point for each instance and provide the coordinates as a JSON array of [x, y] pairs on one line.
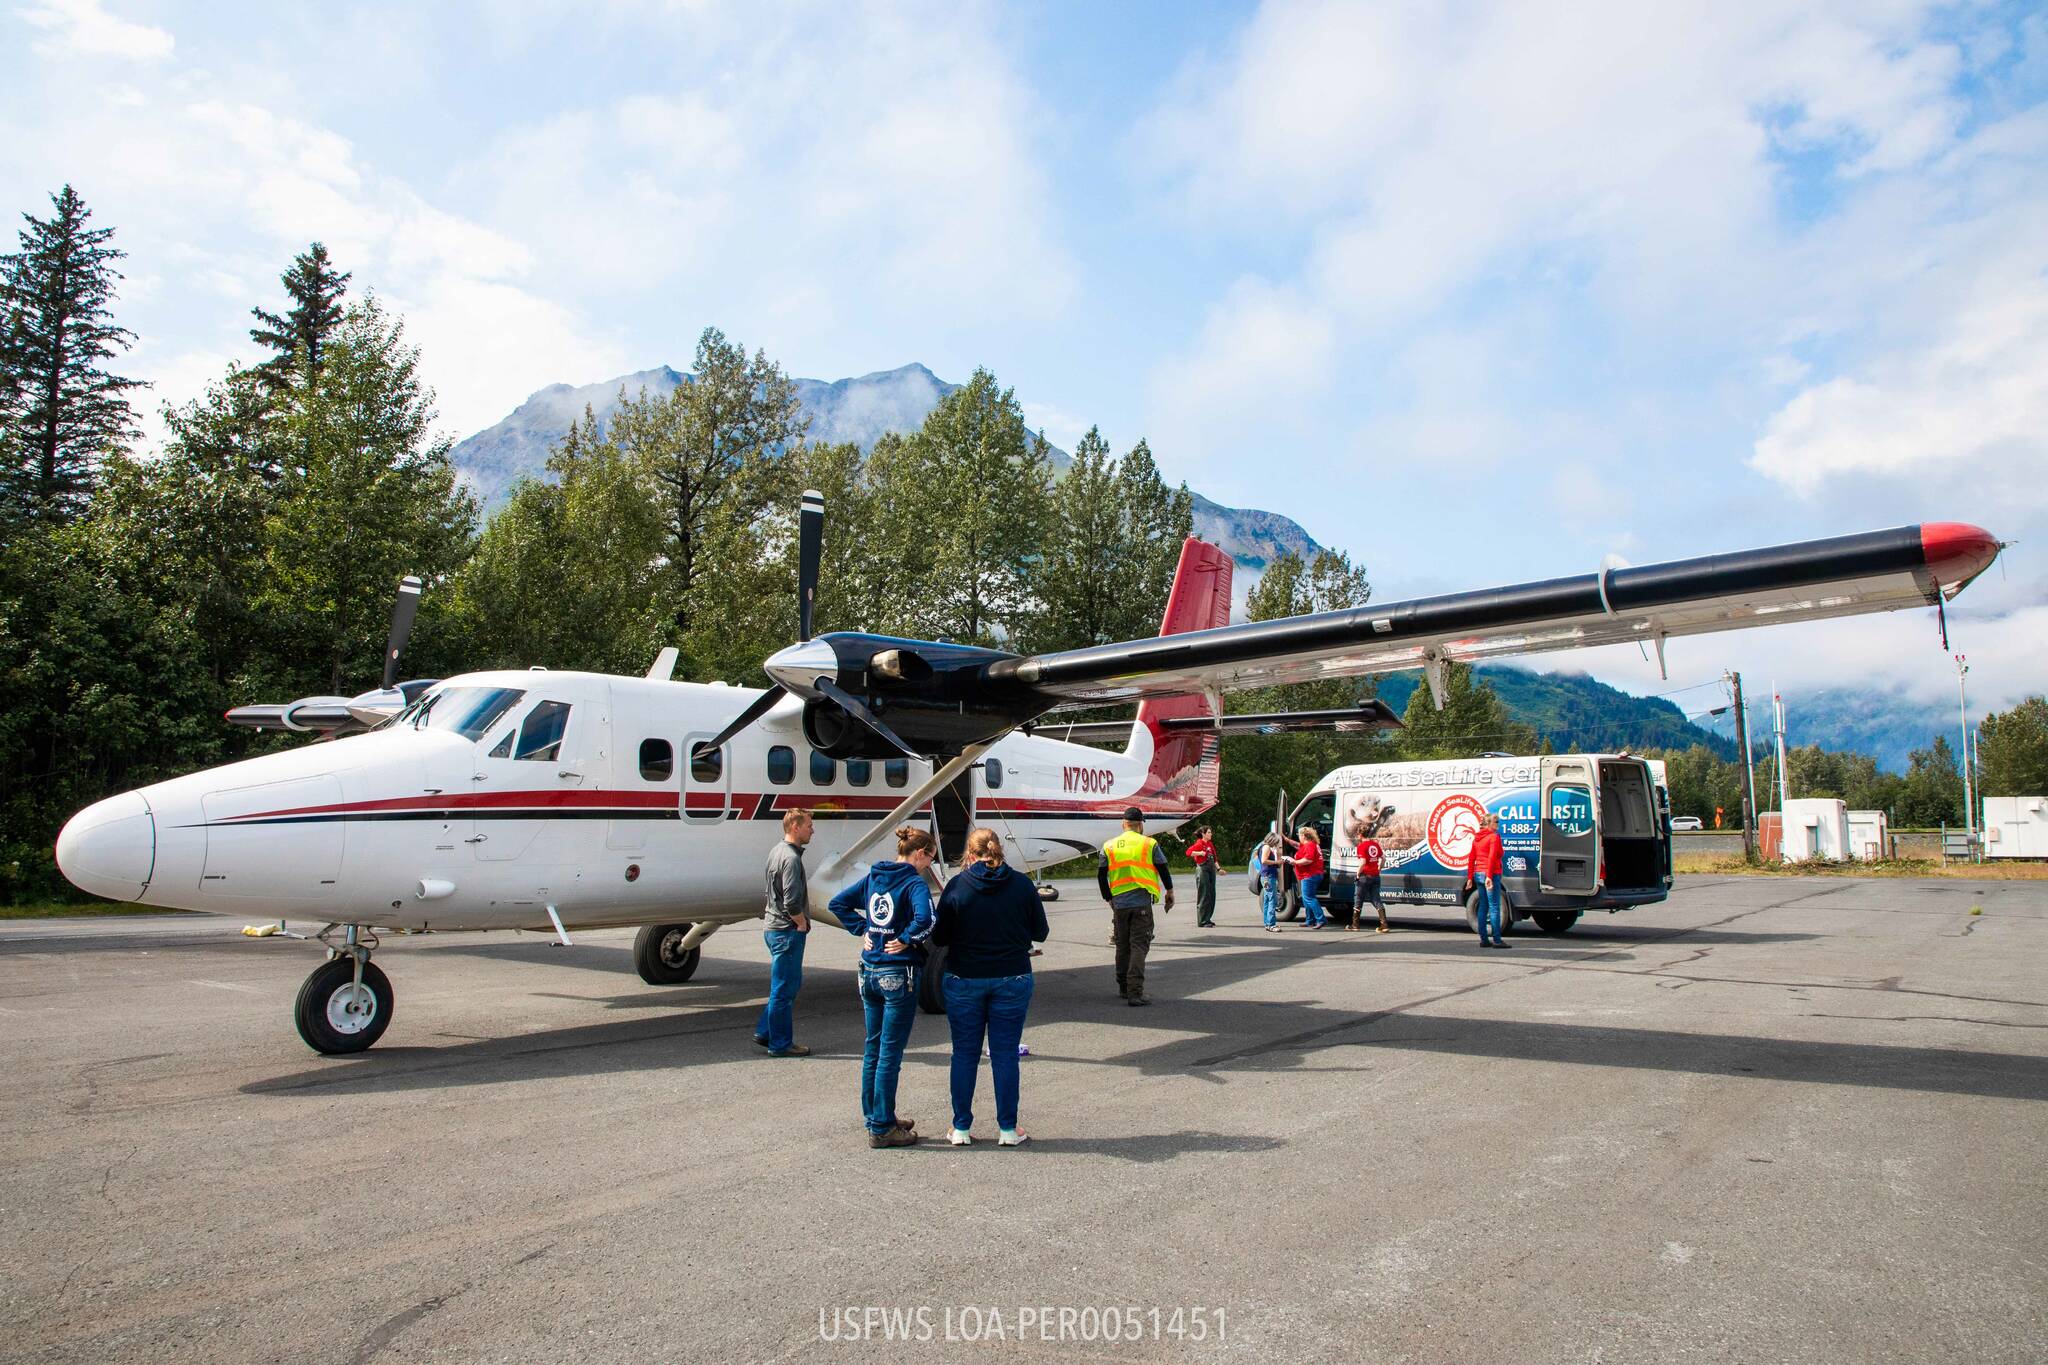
[[1451, 827], [881, 906]]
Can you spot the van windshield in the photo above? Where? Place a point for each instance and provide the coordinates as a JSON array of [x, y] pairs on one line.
[[468, 711]]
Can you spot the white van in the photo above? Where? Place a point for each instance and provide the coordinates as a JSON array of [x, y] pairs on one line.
[[1578, 832]]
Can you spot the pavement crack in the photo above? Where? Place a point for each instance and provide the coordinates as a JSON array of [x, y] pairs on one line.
[[1940, 1018]]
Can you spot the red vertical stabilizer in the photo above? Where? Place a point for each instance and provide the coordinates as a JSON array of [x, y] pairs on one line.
[[1181, 783]]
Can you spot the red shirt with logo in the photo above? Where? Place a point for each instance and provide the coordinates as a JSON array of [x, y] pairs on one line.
[[1370, 856], [1485, 854], [1308, 859], [1201, 851]]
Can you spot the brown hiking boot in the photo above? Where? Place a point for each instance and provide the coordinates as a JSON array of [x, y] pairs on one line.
[[895, 1137], [793, 1050]]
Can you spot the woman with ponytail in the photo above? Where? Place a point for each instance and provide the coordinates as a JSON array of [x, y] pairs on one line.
[[989, 917], [891, 910]]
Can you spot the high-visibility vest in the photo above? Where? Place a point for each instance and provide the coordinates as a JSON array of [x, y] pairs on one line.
[[1130, 865]]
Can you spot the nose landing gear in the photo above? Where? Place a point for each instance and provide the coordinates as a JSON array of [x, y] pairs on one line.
[[345, 1005]]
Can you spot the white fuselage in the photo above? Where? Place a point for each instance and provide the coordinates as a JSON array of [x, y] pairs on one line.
[[579, 794]]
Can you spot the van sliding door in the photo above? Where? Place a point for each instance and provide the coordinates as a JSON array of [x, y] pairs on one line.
[[1568, 844]]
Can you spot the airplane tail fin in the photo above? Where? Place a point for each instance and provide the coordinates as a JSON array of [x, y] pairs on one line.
[[1183, 772]]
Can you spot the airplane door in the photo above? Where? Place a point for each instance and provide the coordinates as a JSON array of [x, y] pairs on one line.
[[1568, 844], [526, 770], [707, 779]]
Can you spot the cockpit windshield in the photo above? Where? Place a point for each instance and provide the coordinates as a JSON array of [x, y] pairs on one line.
[[468, 711]]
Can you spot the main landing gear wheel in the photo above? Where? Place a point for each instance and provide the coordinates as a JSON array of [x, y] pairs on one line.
[[334, 1016], [931, 990], [659, 956], [1555, 921]]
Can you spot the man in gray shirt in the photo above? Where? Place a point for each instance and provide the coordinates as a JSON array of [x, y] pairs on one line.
[[788, 922]]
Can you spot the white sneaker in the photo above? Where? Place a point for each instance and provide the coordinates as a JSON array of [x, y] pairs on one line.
[[960, 1137], [1010, 1137]]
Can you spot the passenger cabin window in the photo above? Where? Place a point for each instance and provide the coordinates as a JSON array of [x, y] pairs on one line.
[[859, 772], [706, 763], [782, 765], [992, 773], [540, 734], [823, 769], [657, 760], [896, 772]]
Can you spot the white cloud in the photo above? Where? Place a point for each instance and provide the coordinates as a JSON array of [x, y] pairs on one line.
[[83, 28], [1261, 347], [1970, 403]]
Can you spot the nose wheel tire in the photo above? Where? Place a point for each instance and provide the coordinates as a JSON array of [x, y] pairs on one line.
[[659, 956], [335, 1016]]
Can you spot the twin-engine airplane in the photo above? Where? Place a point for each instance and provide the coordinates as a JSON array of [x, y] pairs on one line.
[[560, 800]]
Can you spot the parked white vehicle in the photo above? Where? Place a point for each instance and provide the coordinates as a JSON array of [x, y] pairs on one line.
[[1578, 832], [1687, 824]]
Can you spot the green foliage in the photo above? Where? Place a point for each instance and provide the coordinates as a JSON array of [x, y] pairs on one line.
[[1472, 721], [1932, 792], [61, 413], [960, 515], [299, 337], [1257, 768], [566, 573], [1111, 545], [2012, 750]]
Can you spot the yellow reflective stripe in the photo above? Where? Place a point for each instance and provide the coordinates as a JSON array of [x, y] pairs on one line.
[[1130, 865]]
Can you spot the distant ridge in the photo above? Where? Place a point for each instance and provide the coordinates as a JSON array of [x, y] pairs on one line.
[[1578, 711]]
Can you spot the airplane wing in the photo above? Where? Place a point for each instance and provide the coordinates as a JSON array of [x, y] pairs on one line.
[[1366, 716], [1910, 566]]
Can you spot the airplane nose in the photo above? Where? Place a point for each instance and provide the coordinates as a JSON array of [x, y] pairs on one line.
[[109, 848]]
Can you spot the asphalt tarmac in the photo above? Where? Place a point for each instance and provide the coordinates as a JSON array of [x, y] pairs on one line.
[[1770, 1120]]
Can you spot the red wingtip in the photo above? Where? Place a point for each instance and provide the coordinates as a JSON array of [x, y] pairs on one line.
[[1956, 551]]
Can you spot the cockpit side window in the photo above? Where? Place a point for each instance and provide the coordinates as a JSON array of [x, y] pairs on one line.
[[540, 734], [468, 711]]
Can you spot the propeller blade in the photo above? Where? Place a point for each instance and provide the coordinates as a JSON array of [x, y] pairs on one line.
[[856, 708], [402, 613], [810, 547], [756, 709]]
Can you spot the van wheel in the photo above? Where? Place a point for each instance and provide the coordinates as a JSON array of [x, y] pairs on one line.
[[1472, 913], [1290, 903], [931, 992], [1555, 921], [659, 957]]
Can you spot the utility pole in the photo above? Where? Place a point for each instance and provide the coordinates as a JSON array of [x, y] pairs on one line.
[[1784, 782], [1969, 788], [1748, 770]]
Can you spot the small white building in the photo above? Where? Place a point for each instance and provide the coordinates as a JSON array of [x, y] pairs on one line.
[[2016, 826], [1870, 835], [1816, 827]]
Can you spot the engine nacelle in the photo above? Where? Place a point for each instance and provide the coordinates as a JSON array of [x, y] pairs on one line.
[[927, 692]]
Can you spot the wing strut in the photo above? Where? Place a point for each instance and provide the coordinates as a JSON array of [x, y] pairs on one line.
[[827, 879]]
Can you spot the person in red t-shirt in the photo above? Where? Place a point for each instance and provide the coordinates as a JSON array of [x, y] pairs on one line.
[[1367, 887], [1203, 853], [1308, 875], [1484, 870]]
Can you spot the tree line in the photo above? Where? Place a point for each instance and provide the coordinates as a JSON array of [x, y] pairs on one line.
[[252, 554]]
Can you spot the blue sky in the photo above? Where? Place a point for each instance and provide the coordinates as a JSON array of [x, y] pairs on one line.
[[1479, 293]]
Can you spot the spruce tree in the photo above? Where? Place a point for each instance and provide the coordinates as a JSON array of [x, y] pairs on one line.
[[61, 412], [299, 337]]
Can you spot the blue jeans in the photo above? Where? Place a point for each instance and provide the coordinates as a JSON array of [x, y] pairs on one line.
[[995, 1006], [888, 997], [1489, 909], [785, 979], [1310, 906], [1269, 897]]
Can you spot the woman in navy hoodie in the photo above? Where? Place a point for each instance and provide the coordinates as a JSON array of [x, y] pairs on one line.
[[891, 909], [989, 916]]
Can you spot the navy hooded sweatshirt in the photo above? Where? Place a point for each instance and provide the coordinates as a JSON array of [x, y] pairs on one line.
[[892, 901], [988, 919]]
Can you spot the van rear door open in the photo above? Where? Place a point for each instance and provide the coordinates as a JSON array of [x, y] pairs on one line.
[[1568, 842]]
